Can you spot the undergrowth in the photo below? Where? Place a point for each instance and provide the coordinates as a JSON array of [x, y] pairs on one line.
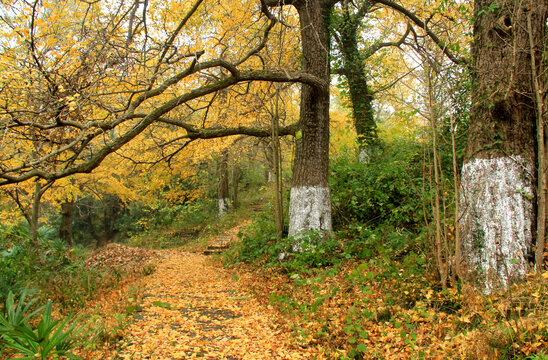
[[371, 296], [32, 332], [43, 286], [369, 291], [50, 266]]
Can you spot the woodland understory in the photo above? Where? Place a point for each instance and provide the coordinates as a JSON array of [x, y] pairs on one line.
[[299, 179]]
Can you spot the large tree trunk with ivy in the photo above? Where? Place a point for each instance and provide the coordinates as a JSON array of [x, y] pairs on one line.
[[310, 204], [354, 73], [498, 176]]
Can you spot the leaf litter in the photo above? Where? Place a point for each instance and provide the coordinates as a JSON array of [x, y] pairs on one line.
[[192, 308], [117, 256]]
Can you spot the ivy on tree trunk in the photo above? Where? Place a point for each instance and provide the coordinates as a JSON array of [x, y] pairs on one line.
[[498, 177]]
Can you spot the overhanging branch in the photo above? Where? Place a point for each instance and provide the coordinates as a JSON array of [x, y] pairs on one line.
[[194, 133], [415, 19], [157, 114]]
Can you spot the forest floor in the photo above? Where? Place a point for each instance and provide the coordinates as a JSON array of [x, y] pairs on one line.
[[187, 305], [191, 307]]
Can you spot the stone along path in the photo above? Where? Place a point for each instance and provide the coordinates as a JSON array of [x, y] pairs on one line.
[[193, 309]]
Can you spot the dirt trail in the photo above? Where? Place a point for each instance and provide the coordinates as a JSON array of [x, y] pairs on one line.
[[194, 309]]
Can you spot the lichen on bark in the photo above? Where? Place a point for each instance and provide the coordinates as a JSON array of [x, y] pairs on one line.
[[497, 220]]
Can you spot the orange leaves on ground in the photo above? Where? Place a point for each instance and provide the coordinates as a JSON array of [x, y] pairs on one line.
[[120, 256], [347, 312], [192, 309]]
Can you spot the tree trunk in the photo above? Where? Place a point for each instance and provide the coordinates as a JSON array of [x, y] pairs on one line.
[[222, 193], [268, 154], [439, 244], [111, 209], [35, 214], [498, 175], [310, 204], [67, 215], [278, 191], [458, 248], [235, 183], [360, 95], [539, 89]]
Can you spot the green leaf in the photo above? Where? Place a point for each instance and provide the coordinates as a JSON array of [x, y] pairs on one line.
[[162, 304]]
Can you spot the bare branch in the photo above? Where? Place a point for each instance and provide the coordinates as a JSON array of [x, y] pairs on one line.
[[423, 25], [380, 45]]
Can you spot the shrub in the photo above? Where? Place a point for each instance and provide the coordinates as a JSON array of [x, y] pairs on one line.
[[17, 261], [49, 265], [386, 190], [47, 339], [140, 218], [259, 244], [258, 240]]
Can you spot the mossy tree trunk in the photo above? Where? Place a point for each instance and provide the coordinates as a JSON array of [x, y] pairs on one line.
[[498, 176], [353, 70]]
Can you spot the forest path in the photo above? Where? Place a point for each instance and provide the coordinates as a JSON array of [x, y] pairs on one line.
[[194, 308]]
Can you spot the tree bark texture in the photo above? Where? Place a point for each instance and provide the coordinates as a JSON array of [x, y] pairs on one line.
[[310, 204], [498, 177], [35, 214], [269, 157], [539, 89], [278, 191]]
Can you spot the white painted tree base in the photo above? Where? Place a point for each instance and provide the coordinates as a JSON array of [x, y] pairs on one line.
[[496, 223], [222, 206], [363, 156], [309, 209]]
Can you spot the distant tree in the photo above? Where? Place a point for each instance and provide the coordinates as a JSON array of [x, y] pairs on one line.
[[28, 198], [67, 217], [223, 196]]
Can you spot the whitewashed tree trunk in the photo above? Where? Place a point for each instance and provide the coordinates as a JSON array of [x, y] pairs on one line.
[[497, 223], [497, 219], [309, 204], [223, 196], [363, 156], [223, 205], [309, 209]]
